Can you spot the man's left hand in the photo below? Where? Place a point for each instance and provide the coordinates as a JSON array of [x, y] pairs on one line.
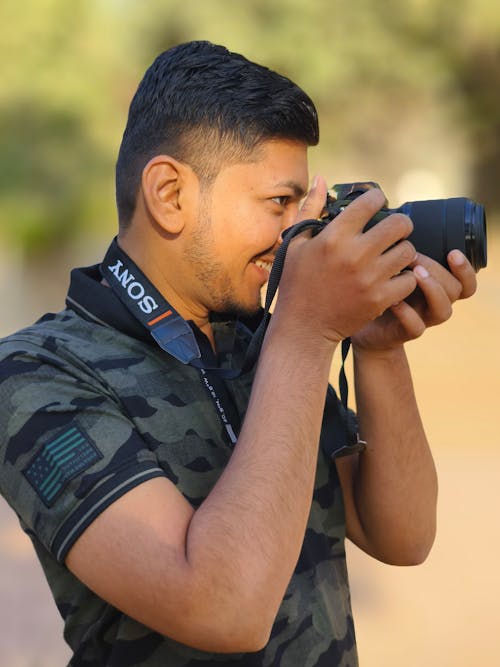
[[429, 305]]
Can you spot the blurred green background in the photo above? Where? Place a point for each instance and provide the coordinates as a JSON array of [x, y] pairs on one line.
[[409, 95]]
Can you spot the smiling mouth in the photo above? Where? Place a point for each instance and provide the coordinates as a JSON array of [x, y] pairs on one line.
[[264, 265]]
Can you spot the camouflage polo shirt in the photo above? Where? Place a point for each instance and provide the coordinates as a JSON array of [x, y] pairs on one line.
[[90, 407]]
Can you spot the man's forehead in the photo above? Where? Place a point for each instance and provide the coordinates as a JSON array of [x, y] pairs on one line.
[[286, 160]]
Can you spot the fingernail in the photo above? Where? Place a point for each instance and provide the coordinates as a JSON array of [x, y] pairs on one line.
[[457, 257], [421, 271], [314, 182]]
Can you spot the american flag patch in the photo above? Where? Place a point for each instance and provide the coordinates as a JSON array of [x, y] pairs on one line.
[[60, 460]]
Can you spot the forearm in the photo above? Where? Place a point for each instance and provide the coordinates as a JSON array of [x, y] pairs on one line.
[[249, 531], [395, 484]]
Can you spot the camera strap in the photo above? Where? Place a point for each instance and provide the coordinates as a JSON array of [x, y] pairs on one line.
[[171, 332], [175, 336]]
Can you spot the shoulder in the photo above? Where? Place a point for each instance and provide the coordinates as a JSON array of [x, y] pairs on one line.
[[67, 343], [67, 447]]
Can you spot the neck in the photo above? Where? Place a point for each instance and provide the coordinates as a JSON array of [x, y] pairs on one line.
[[152, 262]]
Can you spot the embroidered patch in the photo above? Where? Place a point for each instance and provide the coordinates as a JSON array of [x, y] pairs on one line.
[[60, 460]]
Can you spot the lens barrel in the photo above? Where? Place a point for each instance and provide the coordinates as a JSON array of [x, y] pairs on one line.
[[440, 225]]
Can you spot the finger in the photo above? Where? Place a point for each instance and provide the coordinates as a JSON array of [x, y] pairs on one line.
[[355, 216], [314, 203], [397, 258], [463, 271], [409, 319], [390, 231], [400, 287], [438, 303], [451, 285]]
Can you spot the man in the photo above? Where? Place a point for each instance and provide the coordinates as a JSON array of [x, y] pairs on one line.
[[183, 515]]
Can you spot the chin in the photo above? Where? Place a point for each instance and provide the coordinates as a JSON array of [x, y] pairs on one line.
[[239, 310], [228, 304]]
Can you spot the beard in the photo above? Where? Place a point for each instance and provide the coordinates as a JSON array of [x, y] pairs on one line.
[[216, 282]]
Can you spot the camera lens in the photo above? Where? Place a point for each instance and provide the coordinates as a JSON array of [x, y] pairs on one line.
[[440, 225], [475, 234]]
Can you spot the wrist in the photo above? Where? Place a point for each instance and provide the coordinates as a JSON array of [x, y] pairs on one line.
[[388, 355], [300, 335]]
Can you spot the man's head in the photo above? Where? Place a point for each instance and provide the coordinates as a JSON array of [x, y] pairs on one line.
[[206, 106]]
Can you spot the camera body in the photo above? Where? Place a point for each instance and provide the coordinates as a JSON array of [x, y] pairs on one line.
[[440, 225]]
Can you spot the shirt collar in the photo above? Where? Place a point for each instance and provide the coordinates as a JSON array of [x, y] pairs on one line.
[[94, 301]]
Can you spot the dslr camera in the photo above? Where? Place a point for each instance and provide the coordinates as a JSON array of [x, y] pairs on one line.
[[439, 225]]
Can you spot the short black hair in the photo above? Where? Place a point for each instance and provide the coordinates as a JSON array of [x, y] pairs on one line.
[[204, 105]]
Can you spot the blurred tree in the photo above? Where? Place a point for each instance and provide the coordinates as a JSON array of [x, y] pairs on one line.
[[466, 38], [374, 69], [58, 130], [46, 157], [479, 79]]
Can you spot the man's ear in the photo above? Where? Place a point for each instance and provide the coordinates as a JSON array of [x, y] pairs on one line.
[[162, 180]]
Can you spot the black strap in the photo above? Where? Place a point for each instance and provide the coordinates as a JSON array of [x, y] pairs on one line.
[[274, 279], [172, 333]]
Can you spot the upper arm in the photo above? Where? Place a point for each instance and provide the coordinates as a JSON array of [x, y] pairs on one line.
[[82, 479], [133, 555]]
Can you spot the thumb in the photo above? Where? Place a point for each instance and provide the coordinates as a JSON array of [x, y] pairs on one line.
[[315, 201]]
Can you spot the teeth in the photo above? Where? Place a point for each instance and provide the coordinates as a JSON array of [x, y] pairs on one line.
[[264, 265]]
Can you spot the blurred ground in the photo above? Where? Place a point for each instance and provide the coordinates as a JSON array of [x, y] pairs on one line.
[[444, 613]]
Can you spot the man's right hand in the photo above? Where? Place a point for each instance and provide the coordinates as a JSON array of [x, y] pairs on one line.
[[338, 281]]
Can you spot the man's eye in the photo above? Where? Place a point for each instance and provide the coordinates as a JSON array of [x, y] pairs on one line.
[[282, 201]]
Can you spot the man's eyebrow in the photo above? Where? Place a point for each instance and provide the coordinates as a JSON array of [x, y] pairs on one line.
[[298, 190]]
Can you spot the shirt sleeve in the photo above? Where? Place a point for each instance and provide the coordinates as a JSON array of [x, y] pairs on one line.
[[67, 449]]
